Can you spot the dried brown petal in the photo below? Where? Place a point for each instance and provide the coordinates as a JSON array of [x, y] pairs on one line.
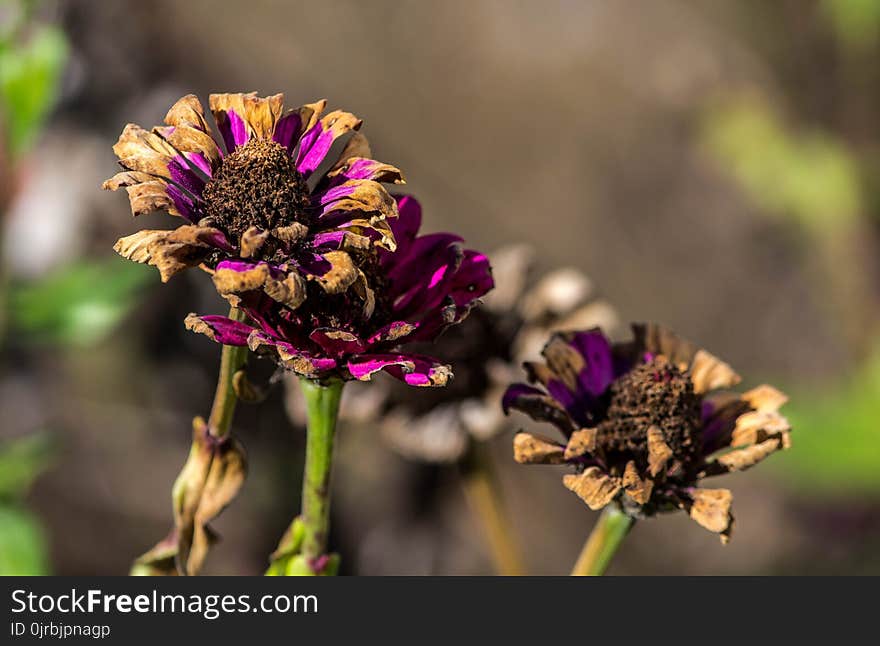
[[260, 114], [289, 291], [210, 479], [593, 486], [534, 449], [187, 111], [291, 232], [580, 443], [251, 241], [711, 509], [342, 274], [636, 487], [169, 251], [756, 426], [765, 398], [710, 373], [659, 452], [742, 459]]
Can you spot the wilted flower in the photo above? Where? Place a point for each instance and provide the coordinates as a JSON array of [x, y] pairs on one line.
[[410, 295], [283, 205], [645, 421], [486, 351]]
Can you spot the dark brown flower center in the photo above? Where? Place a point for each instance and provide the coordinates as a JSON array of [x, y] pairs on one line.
[[655, 393], [256, 185]]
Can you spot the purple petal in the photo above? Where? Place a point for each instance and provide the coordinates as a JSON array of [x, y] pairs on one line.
[[598, 373], [226, 330], [232, 128], [287, 130], [337, 342]]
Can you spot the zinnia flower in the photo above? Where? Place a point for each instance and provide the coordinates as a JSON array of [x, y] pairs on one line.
[[283, 201], [645, 421], [410, 295], [486, 351]]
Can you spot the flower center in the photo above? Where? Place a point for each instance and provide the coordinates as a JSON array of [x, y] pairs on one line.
[[655, 393], [256, 185]]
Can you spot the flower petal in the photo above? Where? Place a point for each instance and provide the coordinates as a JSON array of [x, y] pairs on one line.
[[539, 406], [171, 251], [241, 117], [368, 169], [581, 443], [710, 508], [534, 449], [317, 142], [636, 487], [219, 328], [593, 486], [234, 278], [293, 123], [414, 370], [659, 452], [337, 342]]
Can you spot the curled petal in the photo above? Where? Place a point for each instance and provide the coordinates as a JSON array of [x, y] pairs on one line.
[[187, 111], [582, 360], [240, 117], [171, 251], [144, 151], [534, 449], [593, 486], [300, 362], [337, 342], [219, 328], [335, 272], [757, 426], [317, 142], [368, 169], [636, 487], [710, 373], [413, 370], [146, 193], [581, 443], [742, 459], [710, 508], [539, 406], [187, 139], [232, 279], [659, 452], [251, 241], [293, 123]]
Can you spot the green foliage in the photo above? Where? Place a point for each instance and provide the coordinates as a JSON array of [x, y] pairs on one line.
[[21, 461], [79, 304], [22, 542], [856, 23], [808, 177], [836, 436], [30, 71]]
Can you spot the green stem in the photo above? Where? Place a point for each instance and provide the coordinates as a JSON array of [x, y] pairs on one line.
[[232, 359], [610, 530], [484, 495], [322, 406]]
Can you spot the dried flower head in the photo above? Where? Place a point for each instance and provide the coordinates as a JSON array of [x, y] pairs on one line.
[[486, 351], [645, 421], [411, 295], [290, 200]]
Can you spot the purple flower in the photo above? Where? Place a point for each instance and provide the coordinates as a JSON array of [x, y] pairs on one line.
[[289, 196], [643, 422], [411, 295]]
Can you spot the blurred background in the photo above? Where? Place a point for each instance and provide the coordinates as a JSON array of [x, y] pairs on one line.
[[711, 165]]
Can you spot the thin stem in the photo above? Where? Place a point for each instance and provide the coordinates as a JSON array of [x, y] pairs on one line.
[[610, 530], [484, 495], [232, 359], [322, 406]]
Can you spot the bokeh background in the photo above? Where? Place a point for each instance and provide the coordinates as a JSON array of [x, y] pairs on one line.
[[711, 165]]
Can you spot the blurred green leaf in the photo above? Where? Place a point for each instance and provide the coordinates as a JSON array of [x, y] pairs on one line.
[[30, 72], [23, 549], [836, 436], [79, 304], [856, 22], [809, 177], [22, 459]]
